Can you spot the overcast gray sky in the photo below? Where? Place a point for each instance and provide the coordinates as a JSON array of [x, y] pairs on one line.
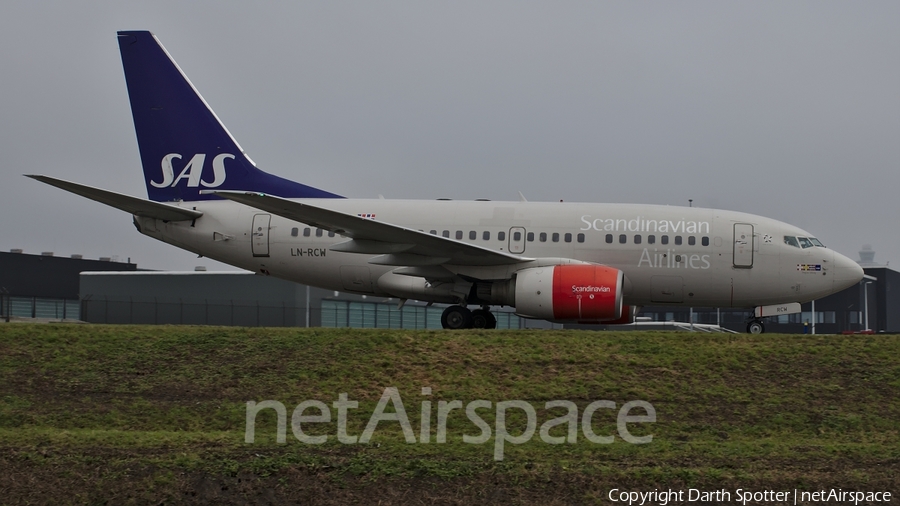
[[786, 109]]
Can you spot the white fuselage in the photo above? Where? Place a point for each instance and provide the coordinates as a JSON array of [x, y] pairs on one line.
[[669, 255]]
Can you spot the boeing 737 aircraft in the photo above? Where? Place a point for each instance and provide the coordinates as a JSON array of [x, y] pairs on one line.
[[563, 262]]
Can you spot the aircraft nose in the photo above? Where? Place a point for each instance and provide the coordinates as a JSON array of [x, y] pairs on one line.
[[846, 272]]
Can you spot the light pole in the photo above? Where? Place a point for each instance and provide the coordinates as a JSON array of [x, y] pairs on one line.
[[813, 317], [307, 306], [867, 280]]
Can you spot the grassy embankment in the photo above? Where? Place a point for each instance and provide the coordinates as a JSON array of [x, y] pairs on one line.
[[148, 414]]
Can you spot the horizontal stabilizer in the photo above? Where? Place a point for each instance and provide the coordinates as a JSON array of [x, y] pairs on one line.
[[127, 203]]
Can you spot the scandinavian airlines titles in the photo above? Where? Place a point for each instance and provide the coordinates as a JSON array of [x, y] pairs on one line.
[[641, 224], [665, 259]]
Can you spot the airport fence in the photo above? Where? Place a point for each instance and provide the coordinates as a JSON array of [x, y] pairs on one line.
[[244, 313], [382, 315], [152, 311]]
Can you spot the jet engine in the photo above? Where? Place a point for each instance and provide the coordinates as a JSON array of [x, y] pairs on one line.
[[582, 292]]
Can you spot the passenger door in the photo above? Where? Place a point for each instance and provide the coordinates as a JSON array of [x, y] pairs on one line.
[[743, 245], [260, 234]]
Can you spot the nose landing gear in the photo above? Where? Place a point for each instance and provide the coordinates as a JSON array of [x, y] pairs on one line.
[[755, 327]]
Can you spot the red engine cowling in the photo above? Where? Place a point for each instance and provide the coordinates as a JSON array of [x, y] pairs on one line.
[[570, 292]]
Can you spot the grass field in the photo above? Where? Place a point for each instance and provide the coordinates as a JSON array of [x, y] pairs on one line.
[[157, 415]]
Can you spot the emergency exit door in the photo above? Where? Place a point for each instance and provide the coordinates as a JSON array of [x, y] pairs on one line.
[[517, 240], [743, 245], [260, 235]]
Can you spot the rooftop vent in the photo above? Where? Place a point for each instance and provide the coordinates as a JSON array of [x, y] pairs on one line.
[[77, 256], [46, 253], [200, 268], [105, 259], [15, 250]]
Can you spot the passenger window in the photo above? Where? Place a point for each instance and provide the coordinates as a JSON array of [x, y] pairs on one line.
[[791, 241], [664, 239], [458, 235], [677, 240], [330, 234], [295, 232], [568, 237], [805, 243], [623, 238], [543, 237], [580, 237], [306, 232], [637, 239], [651, 239], [501, 236], [473, 235], [609, 238], [555, 237], [486, 236], [517, 236], [433, 232], [446, 233], [692, 240], [705, 241], [530, 236], [318, 232]]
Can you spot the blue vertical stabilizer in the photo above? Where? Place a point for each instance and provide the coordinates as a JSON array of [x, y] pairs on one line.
[[184, 147]]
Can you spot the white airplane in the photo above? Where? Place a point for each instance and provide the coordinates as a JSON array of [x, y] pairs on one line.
[[563, 262]]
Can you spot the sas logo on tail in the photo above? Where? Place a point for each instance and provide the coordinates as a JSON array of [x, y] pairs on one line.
[[193, 171]]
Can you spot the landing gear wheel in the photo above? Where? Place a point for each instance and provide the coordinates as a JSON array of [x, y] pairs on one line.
[[456, 317], [483, 319], [756, 327]]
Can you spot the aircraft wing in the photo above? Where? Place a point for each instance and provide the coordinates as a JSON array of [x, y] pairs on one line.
[[127, 203], [396, 245]]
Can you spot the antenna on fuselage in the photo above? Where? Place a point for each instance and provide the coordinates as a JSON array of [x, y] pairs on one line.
[[690, 202], [522, 197]]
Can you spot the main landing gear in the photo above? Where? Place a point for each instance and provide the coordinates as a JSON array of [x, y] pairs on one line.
[[459, 317], [756, 327]]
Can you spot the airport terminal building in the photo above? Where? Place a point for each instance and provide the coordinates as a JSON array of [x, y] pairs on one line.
[[245, 299], [46, 286]]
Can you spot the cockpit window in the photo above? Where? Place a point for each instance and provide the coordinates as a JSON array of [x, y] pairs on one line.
[[802, 242]]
